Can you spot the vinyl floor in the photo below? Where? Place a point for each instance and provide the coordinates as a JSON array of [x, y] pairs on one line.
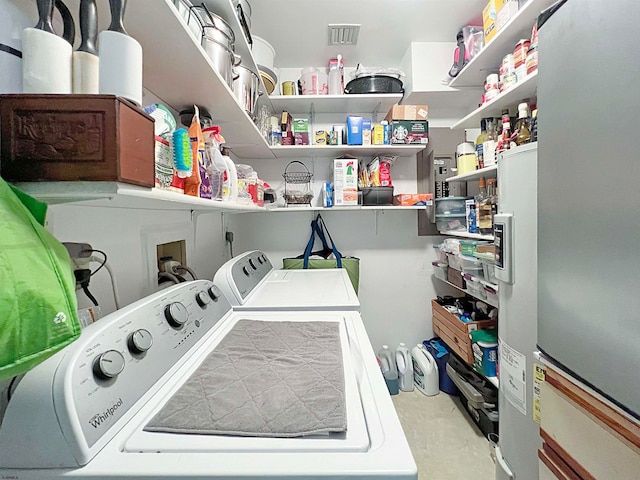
[[445, 443]]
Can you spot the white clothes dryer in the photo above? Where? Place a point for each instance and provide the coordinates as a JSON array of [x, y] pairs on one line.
[[250, 282], [84, 412]]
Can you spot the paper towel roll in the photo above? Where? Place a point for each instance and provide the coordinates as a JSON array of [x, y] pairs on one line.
[[46, 62], [85, 72], [120, 65]]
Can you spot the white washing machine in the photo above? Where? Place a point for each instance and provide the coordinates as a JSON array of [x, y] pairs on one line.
[[84, 412], [250, 282]]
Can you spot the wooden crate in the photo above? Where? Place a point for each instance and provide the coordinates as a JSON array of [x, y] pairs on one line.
[[454, 332], [75, 137]]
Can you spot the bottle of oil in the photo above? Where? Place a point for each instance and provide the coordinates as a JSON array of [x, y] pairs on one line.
[[480, 143], [523, 134], [483, 209]]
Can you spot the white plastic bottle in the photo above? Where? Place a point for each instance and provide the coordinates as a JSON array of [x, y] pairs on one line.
[[335, 81], [232, 174], [389, 370], [217, 166], [425, 371], [405, 368]]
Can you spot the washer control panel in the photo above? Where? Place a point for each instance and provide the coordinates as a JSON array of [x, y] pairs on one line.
[[248, 271], [120, 357]]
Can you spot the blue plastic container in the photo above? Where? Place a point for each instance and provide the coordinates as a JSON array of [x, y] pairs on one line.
[[440, 352]]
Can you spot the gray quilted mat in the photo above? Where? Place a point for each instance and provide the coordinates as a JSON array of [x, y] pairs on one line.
[[266, 379]]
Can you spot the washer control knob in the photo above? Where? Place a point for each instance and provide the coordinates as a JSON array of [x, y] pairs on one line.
[[214, 292], [203, 299], [245, 270], [264, 258], [139, 341], [253, 264], [108, 365], [260, 259], [176, 314]]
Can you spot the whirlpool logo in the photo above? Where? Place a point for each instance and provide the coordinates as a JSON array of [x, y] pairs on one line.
[[99, 418]]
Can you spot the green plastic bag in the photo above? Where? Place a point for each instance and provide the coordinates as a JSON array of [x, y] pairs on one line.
[[38, 307], [304, 261]]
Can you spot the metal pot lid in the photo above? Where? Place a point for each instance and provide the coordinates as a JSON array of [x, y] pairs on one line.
[[213, 34]]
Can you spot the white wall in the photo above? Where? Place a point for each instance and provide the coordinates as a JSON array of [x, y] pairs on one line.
[[129, 238]]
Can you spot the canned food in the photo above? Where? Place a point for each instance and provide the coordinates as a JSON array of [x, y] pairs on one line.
[[521, 73], [508, 81], [507, 66], [520, 52], [532, 60], [492, 82]]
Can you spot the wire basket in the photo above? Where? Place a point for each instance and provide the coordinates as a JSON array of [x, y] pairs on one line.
[[297, 184]]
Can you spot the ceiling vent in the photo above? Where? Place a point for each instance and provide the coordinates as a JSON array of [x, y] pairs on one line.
[[343, 34]]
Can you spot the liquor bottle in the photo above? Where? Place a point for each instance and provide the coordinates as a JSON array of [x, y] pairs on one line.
[[483, 208], [504, 143], [489, 145], [523, 134], [480, 143]]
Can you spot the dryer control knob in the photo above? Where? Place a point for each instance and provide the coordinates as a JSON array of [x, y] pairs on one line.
[[260, 259], [245, 270], [253, 264], [108, 365], [139, 341], [176, 314], [203, 299], [214, 292]]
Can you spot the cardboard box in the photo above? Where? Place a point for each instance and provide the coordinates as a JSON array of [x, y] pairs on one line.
[[489, 19], [301, 131], [354, 130], [320, 137], [366, 131], [409, 132], [378, 135], [76, 137], [345, 181], [489, 248], [408, 112], [506, 13], [412, 199]]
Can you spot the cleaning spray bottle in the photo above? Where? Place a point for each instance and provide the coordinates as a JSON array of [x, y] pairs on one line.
[[217, 165], [232, 173]]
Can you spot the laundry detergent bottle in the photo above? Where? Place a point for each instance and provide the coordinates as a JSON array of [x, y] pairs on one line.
[[405, 368], [425, 371], [389, 371], [216, 164]]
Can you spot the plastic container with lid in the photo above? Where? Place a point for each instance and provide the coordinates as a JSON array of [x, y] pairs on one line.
[[451, 223], [405, 368], [440, 270], [451, 205], [491, 290], [475, 286], [488, 266], [314, 82], [389, 370], [471, 265], [484, 344], [425, 371]]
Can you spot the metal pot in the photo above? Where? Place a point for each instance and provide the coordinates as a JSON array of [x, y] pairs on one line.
[[191, 16], [243, 12], [215, 21], [222, 57], [374, 84], [246, 89]]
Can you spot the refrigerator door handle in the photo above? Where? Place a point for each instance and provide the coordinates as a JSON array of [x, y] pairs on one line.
[[503, 472]]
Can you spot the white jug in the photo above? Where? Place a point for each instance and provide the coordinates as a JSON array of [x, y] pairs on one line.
[[405, 368], [425, 371]]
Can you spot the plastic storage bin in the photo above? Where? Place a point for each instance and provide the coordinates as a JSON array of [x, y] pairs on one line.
[[451, 223], [488, 267], [451, 206], [475, 286], [472, 266], [440, 270], [441, 255], [377, 196], [454, 261], [491, 291]]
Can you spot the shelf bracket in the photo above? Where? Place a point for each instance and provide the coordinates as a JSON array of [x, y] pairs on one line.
[[374, 113], [312, 116]]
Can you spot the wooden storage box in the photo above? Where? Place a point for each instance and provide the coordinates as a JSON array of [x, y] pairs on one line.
[[454, 332], [75, 137]]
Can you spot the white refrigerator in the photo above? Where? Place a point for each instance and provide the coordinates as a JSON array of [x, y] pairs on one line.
[[516, 268], [588, 197]]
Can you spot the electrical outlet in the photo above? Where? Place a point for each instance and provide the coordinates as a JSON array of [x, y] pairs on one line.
[[175, 251], [80, 254]]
